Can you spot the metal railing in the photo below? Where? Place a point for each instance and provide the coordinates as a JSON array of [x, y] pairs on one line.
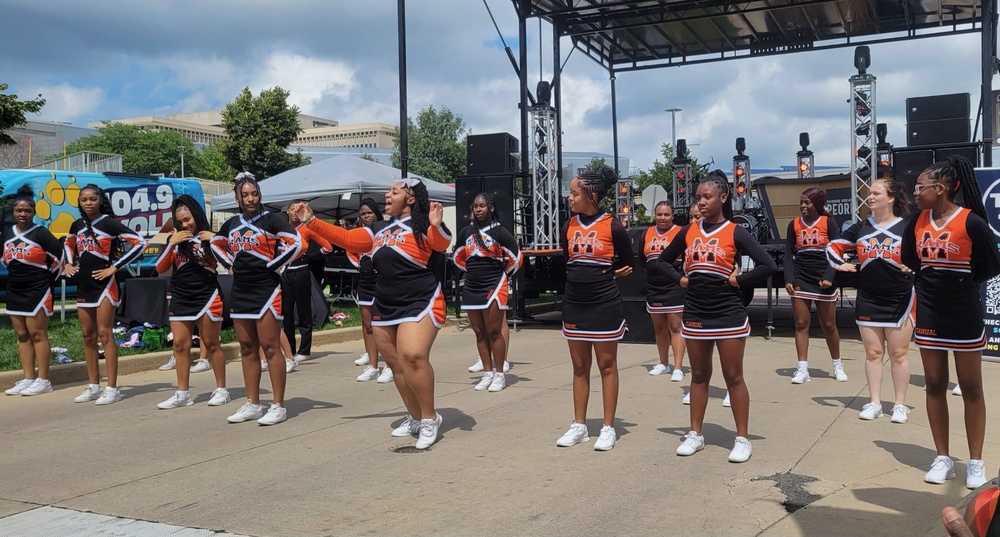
[[84, 161]]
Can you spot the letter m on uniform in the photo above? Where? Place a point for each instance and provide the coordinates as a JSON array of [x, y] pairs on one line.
[[704, 252], [932, 247], [809, 237], [583, 244]]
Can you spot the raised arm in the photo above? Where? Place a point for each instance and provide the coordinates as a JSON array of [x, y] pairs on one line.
[[358, 240]]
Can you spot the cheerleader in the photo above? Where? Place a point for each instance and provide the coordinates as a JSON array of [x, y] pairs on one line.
[[809, 278], [714, 314], [368, 215], [885, 301], [32, 257], [694, 214], [195, 299], [256, 245], [598, 249], [488, 254], [296, 291], [664, 298], [409, 306], [90, 254], [952, 250]]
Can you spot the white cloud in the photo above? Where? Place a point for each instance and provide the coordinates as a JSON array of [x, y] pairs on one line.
[[67, 103], [309, 80]]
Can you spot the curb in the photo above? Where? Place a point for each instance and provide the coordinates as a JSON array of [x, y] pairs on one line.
[[127, 365]]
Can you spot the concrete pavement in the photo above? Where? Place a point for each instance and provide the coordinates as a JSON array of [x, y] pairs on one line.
[[333, 469]]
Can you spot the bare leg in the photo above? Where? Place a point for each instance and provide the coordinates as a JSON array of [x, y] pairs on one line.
[[579, 353], [731, 357], [413, 348], [898, 344], [700, 356], [38, 329], [25, 348], [828, 321], [477, 321], [607, 361], [802, 312], [661, 331], [936, 383], [182, 352], [105, 325], [676, 339], [873, 338], [386, 338], [88, 326], [211, 349], [269, 334], [371, 347], [969, 367], [246, 333], [494, 319]]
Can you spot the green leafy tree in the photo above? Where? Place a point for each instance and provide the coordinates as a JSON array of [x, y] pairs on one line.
[[436, 144], [142, 151], [212, 165], [662, 173], [259, 131], [12, 112]]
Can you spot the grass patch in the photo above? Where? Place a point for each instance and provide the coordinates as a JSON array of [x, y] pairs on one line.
[[67, 334]]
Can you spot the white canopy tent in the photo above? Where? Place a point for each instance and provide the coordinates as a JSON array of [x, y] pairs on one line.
[[335, 187]]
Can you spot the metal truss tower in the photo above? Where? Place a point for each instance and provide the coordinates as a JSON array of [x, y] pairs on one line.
[[864, 157], [544, 179]]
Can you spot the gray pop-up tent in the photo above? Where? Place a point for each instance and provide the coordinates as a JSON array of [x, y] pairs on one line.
[[335, 187]]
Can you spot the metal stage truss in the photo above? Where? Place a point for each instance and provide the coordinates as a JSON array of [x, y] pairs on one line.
[[864, 163], [544, 179]]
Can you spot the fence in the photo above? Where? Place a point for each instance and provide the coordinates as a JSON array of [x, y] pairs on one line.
[[84, 161]]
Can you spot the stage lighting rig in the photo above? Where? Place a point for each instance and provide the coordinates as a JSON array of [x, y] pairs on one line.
[[741, 176], [864, 152], [684, 185], [804, 158]]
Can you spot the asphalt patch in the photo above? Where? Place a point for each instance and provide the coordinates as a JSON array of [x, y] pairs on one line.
[[793, 487]]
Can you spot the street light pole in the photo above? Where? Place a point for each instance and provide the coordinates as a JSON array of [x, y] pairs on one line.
[[673, 129], [182, 162]]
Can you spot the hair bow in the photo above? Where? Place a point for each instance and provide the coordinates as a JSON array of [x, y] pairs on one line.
[[411, 182]]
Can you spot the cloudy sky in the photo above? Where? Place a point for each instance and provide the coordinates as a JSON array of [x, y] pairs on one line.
[[113, 59]]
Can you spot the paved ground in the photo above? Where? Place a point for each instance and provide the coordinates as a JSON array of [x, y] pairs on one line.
[[332, 469]]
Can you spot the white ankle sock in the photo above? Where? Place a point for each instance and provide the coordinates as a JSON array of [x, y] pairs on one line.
[[838, 363], [804, 364]]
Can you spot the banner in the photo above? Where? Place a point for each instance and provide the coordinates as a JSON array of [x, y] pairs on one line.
[[989, 184]]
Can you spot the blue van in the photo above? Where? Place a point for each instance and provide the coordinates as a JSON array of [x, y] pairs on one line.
[[141, 202]]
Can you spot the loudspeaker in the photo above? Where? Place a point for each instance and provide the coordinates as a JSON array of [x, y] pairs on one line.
[[937, 107], [640, 324], [484, 144], [969, 151], [938, 132], [502, 188], [490, 163], [908, 164]]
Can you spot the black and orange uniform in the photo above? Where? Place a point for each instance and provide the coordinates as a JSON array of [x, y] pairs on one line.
[[256, 250], [408, 287], [950, 261], [663, 295], [296, 291], [885, 291], [805, 258], [713, 309], [194, 287], [367, 277], [595, 246], [33, 260], [486, 269], [91, 248]]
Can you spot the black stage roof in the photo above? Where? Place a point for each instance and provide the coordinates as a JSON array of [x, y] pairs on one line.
[[629, 36]]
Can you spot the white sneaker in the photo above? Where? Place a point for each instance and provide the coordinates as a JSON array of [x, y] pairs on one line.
[[900, 413], [576, 434], [110, 395], [607, 440], [219, 397], [687, 399], [275, 415], [290, 366], [299, 358], [91, 393], [801, 376], [428, 432], [741, 451], [476, 367], [484, 383], [385, 377], [362, 360], [176, 401], [677, 375], [409, 427], [658, 370], [171, 364], [20, 386], [38, 387], [871, 411], [691, 444], [506, 366], [370, 373], [247, 412], [975, 474], [499, 382], [839, 373], [264, 366], [942, 468], [726, 402], [200, 366], [957, 390]]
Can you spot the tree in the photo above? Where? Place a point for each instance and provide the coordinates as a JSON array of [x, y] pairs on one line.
[[662, 173], [212, 165], [259, 130], [12, 113], [436, 145], [142, 151]]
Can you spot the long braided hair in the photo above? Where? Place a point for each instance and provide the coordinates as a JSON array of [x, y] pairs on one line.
[[719, 181], [420, 210], [200, 221], [958, 177], [103, 208], [598, 182]]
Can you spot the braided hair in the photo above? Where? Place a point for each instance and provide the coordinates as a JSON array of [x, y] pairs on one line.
[[957, 175], [598, 182], [817, 197], [490, 218], [200, 221], [373, 206], [104, 207], [420, 210], [244, 178], [718, 180], [896, 189]]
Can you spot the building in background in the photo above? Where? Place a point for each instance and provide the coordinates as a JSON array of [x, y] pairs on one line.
[[38, 141]]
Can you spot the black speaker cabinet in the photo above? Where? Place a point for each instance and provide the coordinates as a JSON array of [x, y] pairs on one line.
[[502, 188], [938, 132], [486, 144], [936, 107], [908, 164], [640, 325], [490, 163]]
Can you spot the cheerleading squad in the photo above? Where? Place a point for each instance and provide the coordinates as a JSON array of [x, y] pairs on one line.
[[918, 275]]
